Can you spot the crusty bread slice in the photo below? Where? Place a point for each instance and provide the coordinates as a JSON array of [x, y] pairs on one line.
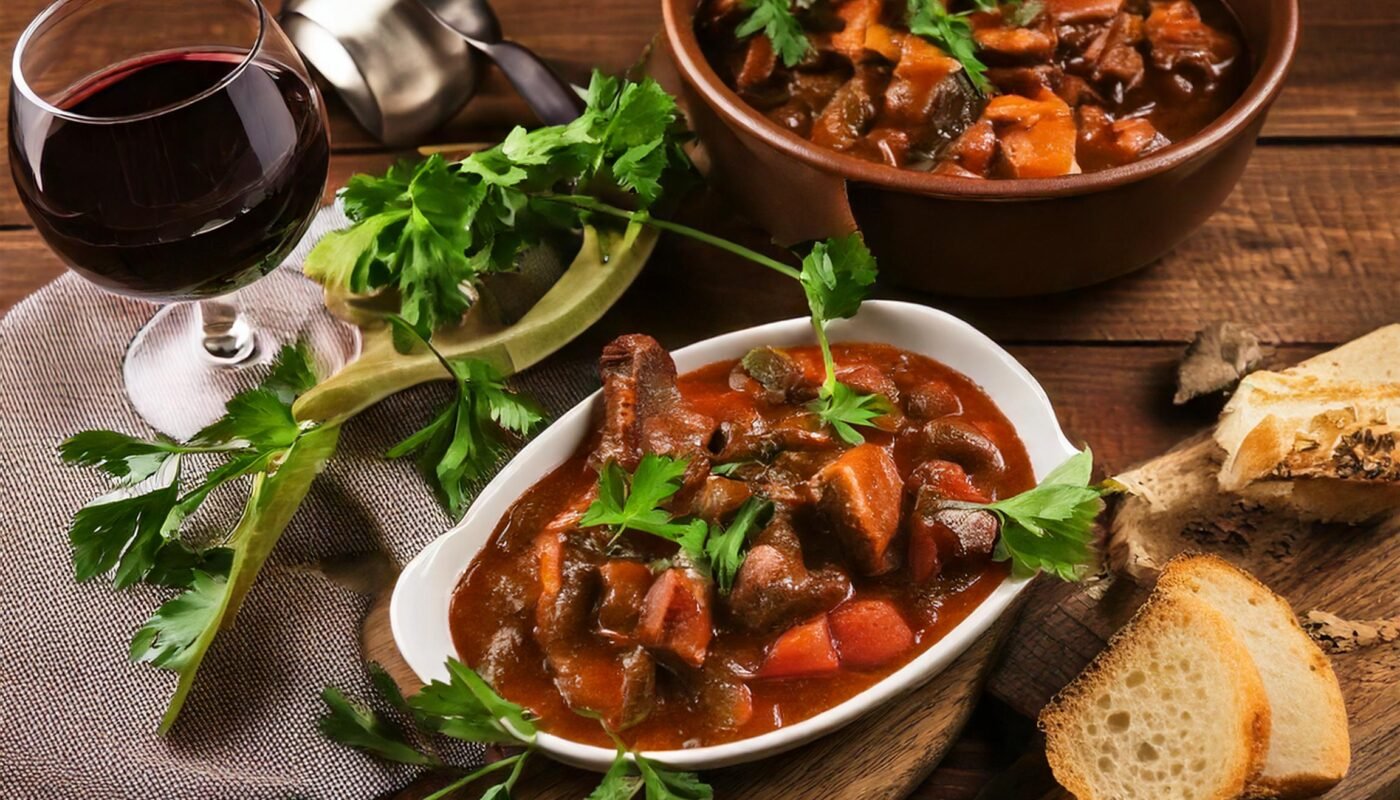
[[1309, 749], [1173, 708], [1332, 416]]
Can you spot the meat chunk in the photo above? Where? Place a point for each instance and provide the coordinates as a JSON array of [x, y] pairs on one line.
[[870, 633], [719, 498], [957, 440], [851, 111], [1181, 42], [956, 534], [859, 497], [974, 152], [624, 586], [929, 96], [803, 651], [1105, 142], [676, 616], [1003, 45], [643, 408], [944, 480], [780, 377], [724, 696], [1037, 135], [1074, 12], [759, 62], [932, 400], [568, 589], [620, 689], [774, 587], [1112, 57]]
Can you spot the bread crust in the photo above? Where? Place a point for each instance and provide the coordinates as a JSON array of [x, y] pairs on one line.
[[1179, 574], [1162, 611]]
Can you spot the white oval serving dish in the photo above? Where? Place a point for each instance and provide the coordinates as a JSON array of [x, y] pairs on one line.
[[419, 608]]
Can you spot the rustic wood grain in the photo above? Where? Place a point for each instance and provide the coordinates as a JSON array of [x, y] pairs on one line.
[[913, 732], [1353, 573], [1305, 250]]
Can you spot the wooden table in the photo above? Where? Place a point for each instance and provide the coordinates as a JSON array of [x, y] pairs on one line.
[[1306, 251]]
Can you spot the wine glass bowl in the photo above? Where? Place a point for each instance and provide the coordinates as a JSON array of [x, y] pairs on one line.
[[178, 164], [174, 152]]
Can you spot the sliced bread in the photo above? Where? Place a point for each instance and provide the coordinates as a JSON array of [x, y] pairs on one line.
[[1332, 416], [1173, 708], [1309, 749]]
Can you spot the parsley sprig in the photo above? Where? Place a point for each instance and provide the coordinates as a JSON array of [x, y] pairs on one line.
[[134, 533], [1050, 527], [464, 440], [467, 708], [778, 22], [430, 231], [637, 502], [932, 20]]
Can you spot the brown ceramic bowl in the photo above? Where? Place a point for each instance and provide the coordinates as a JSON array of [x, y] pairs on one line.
[[973, 237]]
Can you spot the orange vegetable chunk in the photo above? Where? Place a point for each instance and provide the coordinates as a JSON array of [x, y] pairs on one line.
[[870, 633], [1037, 134], [858, 15], [802, 651]]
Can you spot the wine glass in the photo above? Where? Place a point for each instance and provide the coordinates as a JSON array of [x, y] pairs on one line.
[[176, 152]]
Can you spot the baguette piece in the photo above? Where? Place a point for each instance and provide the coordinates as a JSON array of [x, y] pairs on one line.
[[1174, 708], [1309, 749], [1333, 416]]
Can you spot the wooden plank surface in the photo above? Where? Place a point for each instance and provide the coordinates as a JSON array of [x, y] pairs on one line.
[[1305, 250]]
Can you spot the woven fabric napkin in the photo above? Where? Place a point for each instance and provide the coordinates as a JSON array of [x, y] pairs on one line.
[[77, 720]]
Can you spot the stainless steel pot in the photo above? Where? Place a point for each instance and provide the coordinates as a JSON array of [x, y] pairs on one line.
[[401, 71]]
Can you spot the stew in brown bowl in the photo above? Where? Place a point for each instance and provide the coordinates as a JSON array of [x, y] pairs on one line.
[[1028, 89], [856, 559]]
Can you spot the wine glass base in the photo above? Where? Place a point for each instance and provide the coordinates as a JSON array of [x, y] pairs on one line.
[[178, 388]]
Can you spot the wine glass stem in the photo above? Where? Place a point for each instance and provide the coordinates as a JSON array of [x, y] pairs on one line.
[[226, 335]]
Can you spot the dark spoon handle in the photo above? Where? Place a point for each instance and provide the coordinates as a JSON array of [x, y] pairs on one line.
[[553, 101]]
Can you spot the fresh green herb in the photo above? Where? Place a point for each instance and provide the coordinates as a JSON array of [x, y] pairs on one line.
[[1050, 527], [1020, 13], [778, 22], [725, 548], [464, 440], [467, 708], [836, 276], [357, 725], [429, 230], [635, 503], [135, 535], [932, 20]]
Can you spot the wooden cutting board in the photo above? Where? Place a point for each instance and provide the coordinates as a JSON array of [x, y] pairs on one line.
[[1351, 572], [882, 756]]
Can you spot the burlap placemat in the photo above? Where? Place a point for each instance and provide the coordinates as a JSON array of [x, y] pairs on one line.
[[77, 720]]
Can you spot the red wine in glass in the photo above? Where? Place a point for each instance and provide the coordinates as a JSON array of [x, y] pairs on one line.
[[176, 151], [195, 202]]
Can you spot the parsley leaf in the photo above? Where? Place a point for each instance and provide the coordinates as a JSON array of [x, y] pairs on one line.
[[1021, 13], [725, 549], [466, 707], [932, 20], [126, 459], [428, 231], [635, 504], [836, 277], [167, 638], [843, 408], [356, 725], [777, 21], [464, 440], [1050, 527], [665, 784], [124, 532]]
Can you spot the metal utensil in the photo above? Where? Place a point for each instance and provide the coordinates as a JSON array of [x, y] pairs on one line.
[[401, 72], [552, 99]]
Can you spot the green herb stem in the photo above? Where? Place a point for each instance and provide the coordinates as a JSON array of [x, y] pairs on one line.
[[643, 218], [515, 761]]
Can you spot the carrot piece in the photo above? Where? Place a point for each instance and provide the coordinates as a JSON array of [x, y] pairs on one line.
[[1037, 134], [759, 63], [858, 15], [802, 651], [884, 40], [870, 633], [920, 60]]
